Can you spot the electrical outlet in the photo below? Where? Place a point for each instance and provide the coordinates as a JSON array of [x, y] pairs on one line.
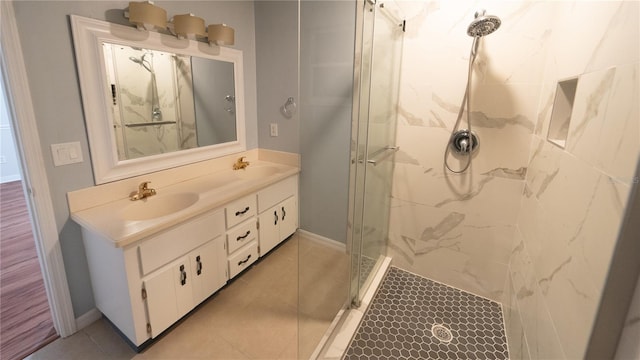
[[274, 129]]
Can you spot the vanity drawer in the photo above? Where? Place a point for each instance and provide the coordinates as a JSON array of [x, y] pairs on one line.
[[240, 210], [270, 196], [243, 258], [241, 235], [171, 244]]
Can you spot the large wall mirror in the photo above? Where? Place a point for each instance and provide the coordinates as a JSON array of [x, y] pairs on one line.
[[153, 101]]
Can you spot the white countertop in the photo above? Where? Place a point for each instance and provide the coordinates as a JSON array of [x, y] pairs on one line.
[[214, 190]]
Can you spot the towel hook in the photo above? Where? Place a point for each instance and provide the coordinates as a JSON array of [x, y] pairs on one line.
[[289, 108]]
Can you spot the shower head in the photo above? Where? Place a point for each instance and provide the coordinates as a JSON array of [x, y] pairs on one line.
[[142, 62], [483, 24]]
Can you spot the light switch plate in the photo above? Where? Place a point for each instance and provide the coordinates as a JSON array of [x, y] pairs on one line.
[[66, 153]]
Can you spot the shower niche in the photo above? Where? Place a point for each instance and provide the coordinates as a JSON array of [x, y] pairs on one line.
[[561, 113]]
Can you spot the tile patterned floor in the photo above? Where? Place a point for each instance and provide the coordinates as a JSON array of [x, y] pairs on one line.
[[408, 311], [259, 315]]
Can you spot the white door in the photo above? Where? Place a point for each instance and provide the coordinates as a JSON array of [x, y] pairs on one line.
[[183, 284], [161, 301], [288, 217], [207, 269], [269, 229]]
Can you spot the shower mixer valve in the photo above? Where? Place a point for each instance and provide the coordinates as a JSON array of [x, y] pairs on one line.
[[464, 142]]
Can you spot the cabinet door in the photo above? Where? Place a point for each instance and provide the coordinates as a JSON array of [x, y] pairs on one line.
[[269, 229], [161, 300], [288, 210], [183, 284], [207, 270]]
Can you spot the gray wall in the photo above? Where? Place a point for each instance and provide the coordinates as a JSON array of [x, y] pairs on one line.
[[47, 45], [214, 123], [277, 69], [326, 85]]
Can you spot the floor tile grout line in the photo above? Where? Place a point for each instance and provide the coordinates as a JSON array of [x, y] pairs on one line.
[[447, 285]]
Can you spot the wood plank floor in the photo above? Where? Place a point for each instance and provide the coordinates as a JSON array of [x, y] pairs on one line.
[[25, 319]]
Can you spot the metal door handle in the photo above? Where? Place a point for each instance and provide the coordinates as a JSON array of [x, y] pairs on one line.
[[245, 260], [238, 213], [386, 152], [198, 265], [183, 276], [243, 236]]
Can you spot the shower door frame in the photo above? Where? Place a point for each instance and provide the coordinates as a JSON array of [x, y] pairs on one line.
[[362, 149]]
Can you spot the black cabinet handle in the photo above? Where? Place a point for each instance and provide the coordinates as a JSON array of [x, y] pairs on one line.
[[238, 213], [245, 260], [198, 265], [183, 276], [243, 236], [284, 213], [275, 214]]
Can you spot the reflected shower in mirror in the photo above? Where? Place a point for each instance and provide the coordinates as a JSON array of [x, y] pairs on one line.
[[164, 102]]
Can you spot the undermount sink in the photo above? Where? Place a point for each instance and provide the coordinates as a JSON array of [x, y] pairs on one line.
[[158, 205], [256, 172]]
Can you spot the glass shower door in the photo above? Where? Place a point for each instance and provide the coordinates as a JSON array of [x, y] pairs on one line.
[[375, 116]]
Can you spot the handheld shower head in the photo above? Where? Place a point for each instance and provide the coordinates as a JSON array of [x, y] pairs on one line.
[[483, 25], [142, 62]]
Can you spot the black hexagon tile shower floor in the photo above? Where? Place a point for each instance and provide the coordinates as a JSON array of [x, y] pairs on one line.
[[412, 317]]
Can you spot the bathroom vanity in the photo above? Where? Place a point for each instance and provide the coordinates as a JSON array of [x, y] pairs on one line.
[[153, 260], [201, 214]]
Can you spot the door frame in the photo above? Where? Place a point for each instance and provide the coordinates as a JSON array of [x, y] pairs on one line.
[[33, 171]]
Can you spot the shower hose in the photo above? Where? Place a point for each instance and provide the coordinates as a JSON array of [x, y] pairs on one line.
[[465, 103]]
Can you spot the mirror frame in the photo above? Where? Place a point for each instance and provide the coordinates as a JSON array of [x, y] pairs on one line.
[[88, 36]]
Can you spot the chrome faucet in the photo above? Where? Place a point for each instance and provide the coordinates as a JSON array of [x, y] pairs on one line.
[[240, 164], [143, 191]]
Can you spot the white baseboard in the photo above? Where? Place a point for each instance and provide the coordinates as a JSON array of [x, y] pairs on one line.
[[323, 240], [10, 178], [87, 318]]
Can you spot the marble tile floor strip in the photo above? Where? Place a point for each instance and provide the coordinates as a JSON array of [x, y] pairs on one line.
[[412, 317], [256, 316]]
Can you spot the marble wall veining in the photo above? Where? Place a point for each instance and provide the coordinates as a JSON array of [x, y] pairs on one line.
[[530, 224], [459, 228], [574, 198]]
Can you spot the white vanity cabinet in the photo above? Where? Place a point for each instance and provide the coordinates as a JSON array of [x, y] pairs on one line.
[[242, 234], [147, 286], [143, 286], [180, 286], [278, 213]]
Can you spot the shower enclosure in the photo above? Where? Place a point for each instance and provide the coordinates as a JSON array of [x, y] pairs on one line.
[[379, 38]]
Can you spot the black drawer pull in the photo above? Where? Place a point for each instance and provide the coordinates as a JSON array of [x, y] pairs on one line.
[[284, 213], [243, 236], [275, 214], [245, 260], [183, 276], [238, 213], [198, 265]]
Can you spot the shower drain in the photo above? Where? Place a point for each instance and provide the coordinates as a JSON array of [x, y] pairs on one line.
[[441, 333]]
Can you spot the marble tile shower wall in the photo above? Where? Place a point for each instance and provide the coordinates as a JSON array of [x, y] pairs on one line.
[[574, 198], [531, 225], [459, 228]]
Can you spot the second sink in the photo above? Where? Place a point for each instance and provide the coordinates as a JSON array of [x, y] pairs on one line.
[[158, 205], [256, 172]]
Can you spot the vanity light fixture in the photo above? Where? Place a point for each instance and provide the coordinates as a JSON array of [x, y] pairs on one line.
[[221, 34], [188, 26], [146, 16]]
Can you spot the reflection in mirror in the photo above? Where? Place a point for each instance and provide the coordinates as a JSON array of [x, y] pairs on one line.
[[164, 102], [150, 102]]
